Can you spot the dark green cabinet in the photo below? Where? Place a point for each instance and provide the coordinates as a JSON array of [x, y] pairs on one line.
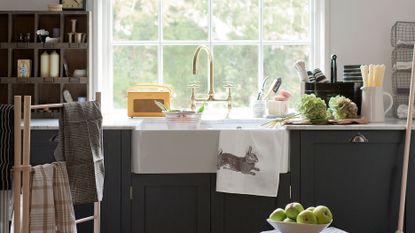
[[246, 213], [189, 203], [171, 203], [115, 205], [356, 174]]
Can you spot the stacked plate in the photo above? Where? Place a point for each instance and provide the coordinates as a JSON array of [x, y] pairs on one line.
[[352, 73], [54, 7]]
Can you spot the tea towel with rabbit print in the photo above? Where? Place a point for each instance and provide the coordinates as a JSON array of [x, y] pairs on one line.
[[250, 161]]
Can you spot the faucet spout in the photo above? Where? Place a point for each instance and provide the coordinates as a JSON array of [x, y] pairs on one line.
[[211, 93]]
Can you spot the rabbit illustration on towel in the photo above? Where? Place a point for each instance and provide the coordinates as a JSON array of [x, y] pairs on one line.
[[245, 165]]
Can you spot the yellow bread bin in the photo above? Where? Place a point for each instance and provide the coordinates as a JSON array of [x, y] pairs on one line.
[[141, 101]]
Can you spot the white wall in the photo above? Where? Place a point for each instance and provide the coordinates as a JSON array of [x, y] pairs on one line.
[[359, 31]]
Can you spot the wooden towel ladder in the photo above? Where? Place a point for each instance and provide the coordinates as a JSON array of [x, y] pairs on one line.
[[22, 167]]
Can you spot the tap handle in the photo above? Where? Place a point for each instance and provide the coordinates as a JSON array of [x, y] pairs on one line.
[[229, 98], [193, 96]]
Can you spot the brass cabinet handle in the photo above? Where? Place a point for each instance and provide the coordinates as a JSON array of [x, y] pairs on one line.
[[359, 138]]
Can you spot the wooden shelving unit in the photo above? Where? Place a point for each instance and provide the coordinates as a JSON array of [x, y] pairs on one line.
[[43, 89]]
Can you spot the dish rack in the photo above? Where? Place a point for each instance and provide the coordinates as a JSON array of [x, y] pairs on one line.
[[402, 39]]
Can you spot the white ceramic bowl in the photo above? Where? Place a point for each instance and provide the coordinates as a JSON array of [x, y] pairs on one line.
[[291, 227], [183, 120], [79, 73]]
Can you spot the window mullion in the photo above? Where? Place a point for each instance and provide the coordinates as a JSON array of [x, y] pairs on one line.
[[261, 44], [160, 44], [210, 22]]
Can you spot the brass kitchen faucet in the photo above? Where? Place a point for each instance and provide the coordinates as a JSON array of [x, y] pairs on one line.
[[211, 93]]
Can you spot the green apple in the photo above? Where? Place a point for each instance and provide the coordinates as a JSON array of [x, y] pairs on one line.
[[323, 214], [289, 220], [311, 208], [306, 217], [278, 215], [293, 209]]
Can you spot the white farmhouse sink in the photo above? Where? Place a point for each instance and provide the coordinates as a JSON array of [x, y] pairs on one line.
[[174, 151], [155, 149]]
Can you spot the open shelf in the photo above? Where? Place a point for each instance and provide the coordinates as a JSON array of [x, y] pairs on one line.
[[43, 90], [4, 98], [49, 93], [76, 90], [4, 28], [22, 54], [49, 51], [49, 22], [23, 23], [78, 59], [4, 53], [23, 89], [81, 25]]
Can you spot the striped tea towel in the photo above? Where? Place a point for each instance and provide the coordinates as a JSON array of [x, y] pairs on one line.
[[64, 211], [6, 163], [6, 145], [51, 208], [42, 209]]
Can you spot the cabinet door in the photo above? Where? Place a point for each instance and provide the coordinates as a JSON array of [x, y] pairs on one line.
[[360, 182], [410, 194], [171, 203], [117, 157], [246, 213]]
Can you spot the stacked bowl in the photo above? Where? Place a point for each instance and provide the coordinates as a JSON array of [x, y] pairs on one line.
[[352, 73]]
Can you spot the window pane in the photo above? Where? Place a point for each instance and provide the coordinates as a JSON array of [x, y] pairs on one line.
[[237, 65], [279, 62], [286, 19], [177, 70], [132, 65], [135, 19], [235, 20], [185, 19]]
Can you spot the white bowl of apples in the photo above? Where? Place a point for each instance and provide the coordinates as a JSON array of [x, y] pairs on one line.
[[295, 219]]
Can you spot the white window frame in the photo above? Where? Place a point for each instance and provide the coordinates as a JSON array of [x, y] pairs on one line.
[[103, 65]]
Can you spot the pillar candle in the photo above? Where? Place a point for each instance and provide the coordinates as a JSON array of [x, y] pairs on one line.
[[44, 64], [54, 64]]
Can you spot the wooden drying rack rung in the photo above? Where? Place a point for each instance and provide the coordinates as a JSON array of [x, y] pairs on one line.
[[21, 168]]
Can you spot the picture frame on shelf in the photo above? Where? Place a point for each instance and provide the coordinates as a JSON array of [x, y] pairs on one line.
[[24, 67], [73, 5]]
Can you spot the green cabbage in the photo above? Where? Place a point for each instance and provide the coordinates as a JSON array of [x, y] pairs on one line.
[[341, 107], [313, 108]]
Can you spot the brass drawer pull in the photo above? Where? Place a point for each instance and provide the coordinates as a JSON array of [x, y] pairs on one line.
[[359, 138]]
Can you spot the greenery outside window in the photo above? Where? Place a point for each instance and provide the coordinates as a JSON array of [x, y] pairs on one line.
[[153, 41]]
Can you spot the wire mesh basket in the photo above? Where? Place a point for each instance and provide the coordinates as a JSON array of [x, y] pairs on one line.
[[400, 106], [403, 34], [401, 58], [401, 81], [398, 100]]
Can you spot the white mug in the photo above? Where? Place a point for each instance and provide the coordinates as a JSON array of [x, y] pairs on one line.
[[372, 104], [258, 108]]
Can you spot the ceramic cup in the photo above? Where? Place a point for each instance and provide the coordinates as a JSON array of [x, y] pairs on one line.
[[80, 37], [372, 104], [70, 37], [258, 108], [277, 108]]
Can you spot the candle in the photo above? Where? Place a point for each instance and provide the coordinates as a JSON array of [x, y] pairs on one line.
[[54, 64], [44, 64]]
